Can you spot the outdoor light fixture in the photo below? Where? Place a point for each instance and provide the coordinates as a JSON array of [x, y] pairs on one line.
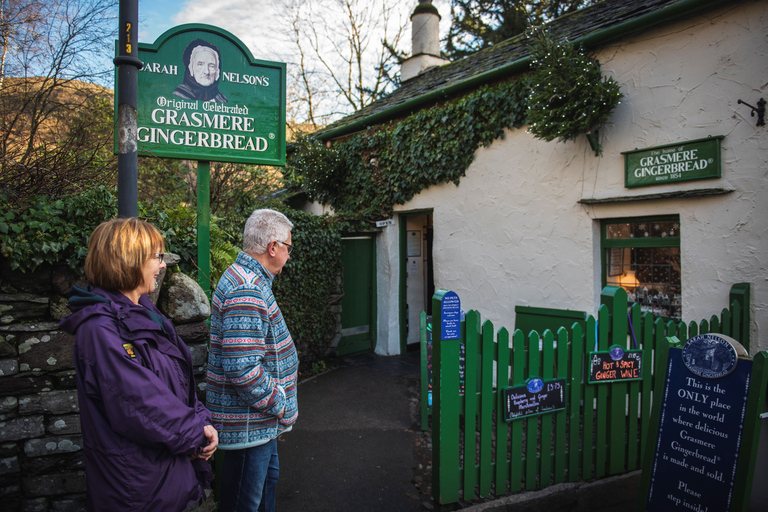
[[760, 109]]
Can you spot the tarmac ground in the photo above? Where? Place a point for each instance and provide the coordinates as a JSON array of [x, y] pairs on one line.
[[352, 448], [358, 447]]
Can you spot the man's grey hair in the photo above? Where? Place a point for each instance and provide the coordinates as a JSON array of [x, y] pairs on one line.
[[264, 227]]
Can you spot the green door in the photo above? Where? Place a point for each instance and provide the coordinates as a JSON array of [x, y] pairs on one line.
[[358, 306]]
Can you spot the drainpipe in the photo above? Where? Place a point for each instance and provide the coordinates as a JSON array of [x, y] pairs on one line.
[[646, 21]]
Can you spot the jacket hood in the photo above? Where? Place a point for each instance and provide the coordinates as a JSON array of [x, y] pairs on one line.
[[87, 302], [79, 301]]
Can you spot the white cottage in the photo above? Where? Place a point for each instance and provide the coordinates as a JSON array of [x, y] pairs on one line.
[[548, 224]]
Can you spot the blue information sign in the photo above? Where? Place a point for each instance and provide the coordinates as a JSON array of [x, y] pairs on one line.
[[700, 432], [450, 309]]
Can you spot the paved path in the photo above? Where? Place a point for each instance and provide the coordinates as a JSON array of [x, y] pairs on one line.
[[353, 446]]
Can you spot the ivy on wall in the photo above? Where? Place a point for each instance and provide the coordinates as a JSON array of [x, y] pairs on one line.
[[363, 177]]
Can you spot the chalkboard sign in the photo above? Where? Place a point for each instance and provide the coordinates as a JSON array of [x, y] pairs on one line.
[[537, 396], [614, 365], [700, 433]]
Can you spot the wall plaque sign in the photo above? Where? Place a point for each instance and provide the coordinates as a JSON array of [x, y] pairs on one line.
[[672, 163], [202, 96]]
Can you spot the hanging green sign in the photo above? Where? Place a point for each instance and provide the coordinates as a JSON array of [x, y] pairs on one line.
[[692, 160], [202, 96]]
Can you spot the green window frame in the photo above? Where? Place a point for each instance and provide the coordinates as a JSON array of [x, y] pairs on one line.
[[642, 255]]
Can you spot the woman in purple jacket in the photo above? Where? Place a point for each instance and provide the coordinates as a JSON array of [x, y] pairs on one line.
[[146, 435]]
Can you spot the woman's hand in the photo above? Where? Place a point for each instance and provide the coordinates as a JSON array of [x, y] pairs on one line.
[[213, 441]]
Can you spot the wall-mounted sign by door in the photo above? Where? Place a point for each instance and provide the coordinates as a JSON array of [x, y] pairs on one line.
[[202, 96], [684, 161]]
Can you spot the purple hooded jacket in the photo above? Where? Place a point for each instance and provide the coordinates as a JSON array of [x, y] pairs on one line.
[[139, 413]]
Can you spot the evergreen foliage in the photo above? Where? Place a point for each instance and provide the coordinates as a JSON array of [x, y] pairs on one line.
[[51, 231], [478, 24], [569, 95]]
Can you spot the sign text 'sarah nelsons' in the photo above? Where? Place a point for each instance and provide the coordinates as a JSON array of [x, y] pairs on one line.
[[203, 96]]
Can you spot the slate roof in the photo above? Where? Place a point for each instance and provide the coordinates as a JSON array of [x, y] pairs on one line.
[[597, 24]]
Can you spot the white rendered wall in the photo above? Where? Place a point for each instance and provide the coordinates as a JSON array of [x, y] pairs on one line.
[[514, 232]]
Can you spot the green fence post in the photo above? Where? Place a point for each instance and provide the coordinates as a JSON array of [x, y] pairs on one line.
[[751, 432], [532, 422], [740, 293], [502, 381], [519, 364], [575, 399], [547, 373], [472, 329], [424, 372], [616, 300], [560, 416], [445, 409], [486, 408]]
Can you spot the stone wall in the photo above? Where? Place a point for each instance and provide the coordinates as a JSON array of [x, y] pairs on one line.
[[41, 456]]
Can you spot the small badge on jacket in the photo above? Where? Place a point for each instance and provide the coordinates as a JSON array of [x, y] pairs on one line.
[[129, 350]]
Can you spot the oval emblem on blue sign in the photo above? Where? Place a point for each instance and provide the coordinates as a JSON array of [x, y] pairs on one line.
[[709, 356], [535, 385]]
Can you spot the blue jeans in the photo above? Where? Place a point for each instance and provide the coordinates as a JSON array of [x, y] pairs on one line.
[[249, 479]]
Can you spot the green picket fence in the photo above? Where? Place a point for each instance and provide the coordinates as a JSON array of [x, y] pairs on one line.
[[603, 429]]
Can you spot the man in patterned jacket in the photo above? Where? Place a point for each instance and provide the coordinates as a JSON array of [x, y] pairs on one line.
[[252, 366]]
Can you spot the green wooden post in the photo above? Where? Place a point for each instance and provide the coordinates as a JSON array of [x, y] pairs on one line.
[[662, 358], [424, 372], [575, 398], [633, 402], [589, 406], [751, 431], [472, 325], [725, 323], [502, 381], [562, 372], [547, 373], [616, 300], [486, 409], [519, 364], [204, 226], [445, 410], [532, 423], [601, 410], [740, 293]]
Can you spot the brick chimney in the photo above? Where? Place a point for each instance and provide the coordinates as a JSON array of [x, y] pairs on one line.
[[425, 41]]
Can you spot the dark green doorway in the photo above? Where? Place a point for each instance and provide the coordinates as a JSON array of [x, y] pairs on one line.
[[358, 306]]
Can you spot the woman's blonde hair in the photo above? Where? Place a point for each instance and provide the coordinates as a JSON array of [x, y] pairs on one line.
[[117, 252]]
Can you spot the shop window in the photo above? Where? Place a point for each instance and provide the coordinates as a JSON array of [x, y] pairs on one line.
[[643, 257]]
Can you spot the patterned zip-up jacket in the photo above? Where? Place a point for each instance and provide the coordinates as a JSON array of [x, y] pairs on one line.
[[252, 362]]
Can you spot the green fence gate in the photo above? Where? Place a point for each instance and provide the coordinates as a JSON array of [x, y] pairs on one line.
[[601, 431]]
